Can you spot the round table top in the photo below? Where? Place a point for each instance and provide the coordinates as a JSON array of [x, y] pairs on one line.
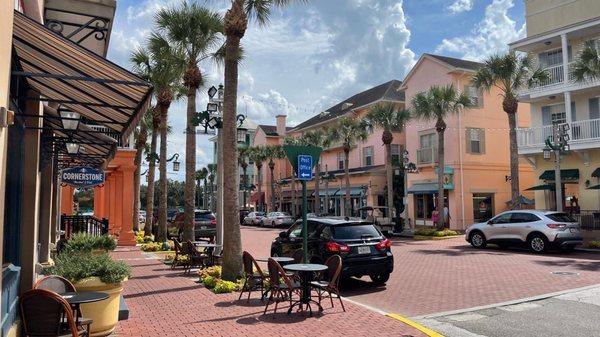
[[84, 297], [280, 259], [305, 267]]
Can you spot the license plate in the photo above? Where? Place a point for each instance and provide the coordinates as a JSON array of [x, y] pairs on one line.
[[202, 227], [574, 230], [364, 249]]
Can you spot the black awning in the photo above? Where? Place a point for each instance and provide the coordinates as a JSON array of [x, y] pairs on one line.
[[596, 173], [544, 187], [565, 175], [595, 187]]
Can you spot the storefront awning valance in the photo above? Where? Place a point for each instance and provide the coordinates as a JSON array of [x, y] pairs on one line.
[[325, 192], [595, 187], [78, 79], [354, 191], [565, 175], [544, 187], [423, 188], [596, 173], [257, 197]]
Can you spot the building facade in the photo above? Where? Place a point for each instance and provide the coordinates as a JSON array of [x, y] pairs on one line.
[[557, 32], [477, 169]]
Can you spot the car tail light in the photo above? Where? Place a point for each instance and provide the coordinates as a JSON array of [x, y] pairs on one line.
[[384, 244], [213, 222], [559, 226], [337, 247]]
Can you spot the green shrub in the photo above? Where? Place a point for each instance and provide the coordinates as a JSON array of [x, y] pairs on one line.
[[105, 242], [435, 232], [445, 232], [151, 247], [84, 242], [214, 271], [210, 281], [77, 266], [223, 286], [425, 231], [149, 238], [594, 244]]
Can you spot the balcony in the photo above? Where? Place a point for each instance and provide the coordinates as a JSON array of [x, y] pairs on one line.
[[584, 135], [115, 135], [426, 156]]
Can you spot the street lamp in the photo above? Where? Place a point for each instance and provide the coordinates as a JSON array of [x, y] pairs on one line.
[[212, 91], [241, 135], [70, 119], [212, 107], [176, 162], [72, 148]]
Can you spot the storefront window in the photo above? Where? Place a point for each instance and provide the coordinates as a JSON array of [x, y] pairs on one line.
[[483, 206]]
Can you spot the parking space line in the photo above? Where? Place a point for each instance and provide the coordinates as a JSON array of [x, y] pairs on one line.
[[415, 325]]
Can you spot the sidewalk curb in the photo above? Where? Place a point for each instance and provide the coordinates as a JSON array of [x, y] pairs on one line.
[[502, 304], [588, 250], [415, 325]]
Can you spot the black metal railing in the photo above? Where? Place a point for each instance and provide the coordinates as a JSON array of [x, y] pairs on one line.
[[71, 224], [10, 297], [589, 220]]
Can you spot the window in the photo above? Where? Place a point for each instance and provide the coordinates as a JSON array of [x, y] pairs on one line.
[[396, 154], [427, 141], [475, 95], [561, 217], [340, 160], [554, 114], [296, 230], [519, 217], [368, 156], [475, 140], [355, 232], [551, 58], [483, 206], [502, 218]]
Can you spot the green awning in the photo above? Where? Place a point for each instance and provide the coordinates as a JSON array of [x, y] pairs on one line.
[[354, 191], [423, 188], [565, 175], [595, 187], [545, 187], [596, 173]]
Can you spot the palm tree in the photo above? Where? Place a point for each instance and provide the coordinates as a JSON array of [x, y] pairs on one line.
[[195, 32], [212, 176], [243, 152], [348, 132], [273, 152], [141, 143], [202, 174], [318, 138], [587, 65], [258, 155], [437, 104], [235, 25], [391, 119], [509, 73]]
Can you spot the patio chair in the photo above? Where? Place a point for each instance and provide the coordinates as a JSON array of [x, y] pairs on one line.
[[281, 287], [298, 256], [330, 283], [60, 285], [253, 280], [196, 259], [42, 313], [178, 252]]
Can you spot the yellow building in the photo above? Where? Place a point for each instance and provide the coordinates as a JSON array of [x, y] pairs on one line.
[[556, 34]]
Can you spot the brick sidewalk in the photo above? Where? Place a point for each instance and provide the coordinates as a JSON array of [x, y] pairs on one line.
[[163, 302]]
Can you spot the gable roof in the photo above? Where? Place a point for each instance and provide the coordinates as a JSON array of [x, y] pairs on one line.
[[387, 91], [271, 130], [451, 63]]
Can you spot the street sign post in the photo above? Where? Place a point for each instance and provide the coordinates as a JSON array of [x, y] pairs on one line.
[[303, 159]]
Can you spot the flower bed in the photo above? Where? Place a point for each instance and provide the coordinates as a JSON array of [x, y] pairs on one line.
[[211, 278], [434, 234]]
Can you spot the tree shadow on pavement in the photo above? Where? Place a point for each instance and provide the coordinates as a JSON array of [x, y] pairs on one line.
[[163, 291], [571, 263], [254, 302], [354, 286]]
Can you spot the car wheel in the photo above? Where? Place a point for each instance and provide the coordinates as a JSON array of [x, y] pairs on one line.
[[478, 240], [380, 278], [273, 224], [538, 243]]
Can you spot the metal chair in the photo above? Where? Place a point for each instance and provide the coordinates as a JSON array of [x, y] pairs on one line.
[[60, 285], [196, 259], [42, 313], [177, 247], [330, 283], [253, 280], [281, 287]]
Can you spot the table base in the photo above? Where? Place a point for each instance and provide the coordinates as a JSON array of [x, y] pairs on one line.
[[300, 305]]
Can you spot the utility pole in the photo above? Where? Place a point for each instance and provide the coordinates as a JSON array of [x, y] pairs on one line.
[[559, 144]]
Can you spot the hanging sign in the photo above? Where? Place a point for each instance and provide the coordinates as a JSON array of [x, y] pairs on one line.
[[305, 165], [82, 176]]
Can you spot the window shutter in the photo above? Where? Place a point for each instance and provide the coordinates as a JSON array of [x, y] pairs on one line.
[[546, 118], [468, 139], [482, 141], [573, 112], [594, 108]]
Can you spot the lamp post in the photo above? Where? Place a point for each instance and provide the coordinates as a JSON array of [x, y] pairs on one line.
[[409, 167], [559, 144], [174, 158]]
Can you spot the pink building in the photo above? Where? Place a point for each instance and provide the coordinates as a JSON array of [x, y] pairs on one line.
[[477, 169]]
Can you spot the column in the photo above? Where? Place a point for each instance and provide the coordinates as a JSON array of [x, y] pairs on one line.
[[30, 196], [55, 218], [111, 204], [66, 200], [565, 57], [127, 237], [119, 202], [45, 221], [98, 202]]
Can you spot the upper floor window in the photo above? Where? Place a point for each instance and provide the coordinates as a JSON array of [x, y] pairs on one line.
[[475, 140], [396, 150], [554, 114], [553, 57], [368, 156], [427, 141], [340, 160], [476, 96]]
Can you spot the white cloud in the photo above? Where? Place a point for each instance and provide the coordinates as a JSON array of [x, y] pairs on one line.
[[491, 35], [460, 6]]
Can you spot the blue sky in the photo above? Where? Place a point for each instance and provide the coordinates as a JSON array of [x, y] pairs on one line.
[[313, 55]]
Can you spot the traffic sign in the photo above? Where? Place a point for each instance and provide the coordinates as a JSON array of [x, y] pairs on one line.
[[305, 164]]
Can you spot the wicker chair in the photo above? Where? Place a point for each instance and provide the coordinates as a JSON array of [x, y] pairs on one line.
[[330, 283], [281, 287], [178, 253], [196, 259], [298, 256], [253, 280], [61, 285], [43, 313]]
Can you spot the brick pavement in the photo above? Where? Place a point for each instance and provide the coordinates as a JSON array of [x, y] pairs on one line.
[[162, 302], [437, 276]]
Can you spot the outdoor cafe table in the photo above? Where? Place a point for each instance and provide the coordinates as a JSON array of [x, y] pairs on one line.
[[306, 271], [280, 259], [205, 244], [81, 297]]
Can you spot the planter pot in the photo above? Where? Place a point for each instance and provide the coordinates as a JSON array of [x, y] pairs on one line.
[[104, 313]]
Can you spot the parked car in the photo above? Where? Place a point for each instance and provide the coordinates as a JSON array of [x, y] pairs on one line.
[[275, 219], [205, 224], [254, 218], [243, 214], [538, 230], [362, 246]]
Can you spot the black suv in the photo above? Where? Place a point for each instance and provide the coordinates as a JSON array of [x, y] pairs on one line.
[[364, 250]]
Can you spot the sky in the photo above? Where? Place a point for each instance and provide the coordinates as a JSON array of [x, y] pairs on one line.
[[313, 55]]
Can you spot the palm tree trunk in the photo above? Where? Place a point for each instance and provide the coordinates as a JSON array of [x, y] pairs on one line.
[[440, 201], [141, 141], [245, 177], [162, 168], [189, 194], [317, 197], [213, 197], [390, 179], [151, 176], [259, 206], [347, 173], [272, 205], [235, 26], [514, 160], [205, 194]]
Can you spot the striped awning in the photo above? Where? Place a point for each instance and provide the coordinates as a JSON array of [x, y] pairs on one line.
[[78, 79]]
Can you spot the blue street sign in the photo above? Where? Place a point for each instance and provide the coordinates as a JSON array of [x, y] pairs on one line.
[[305, 164], [82, 176]]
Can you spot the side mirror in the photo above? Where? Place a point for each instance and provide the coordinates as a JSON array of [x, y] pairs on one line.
[[490, 222], [283, 235]]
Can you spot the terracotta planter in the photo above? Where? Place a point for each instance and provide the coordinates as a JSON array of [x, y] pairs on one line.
[[104, 313]]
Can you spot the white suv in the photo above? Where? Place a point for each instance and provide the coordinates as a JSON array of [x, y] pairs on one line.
[[537, 229]]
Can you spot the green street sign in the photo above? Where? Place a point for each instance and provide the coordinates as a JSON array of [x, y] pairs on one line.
[[292, 152]]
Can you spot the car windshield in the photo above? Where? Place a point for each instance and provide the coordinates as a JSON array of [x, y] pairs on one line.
[[355, 231], [259, 214], [562, 217], [204, 216]]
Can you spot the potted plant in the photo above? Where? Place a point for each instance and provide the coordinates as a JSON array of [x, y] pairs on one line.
[[90, 272], [84, 242]]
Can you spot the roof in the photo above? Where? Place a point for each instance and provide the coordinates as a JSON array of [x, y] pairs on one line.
[[457, 63], [271, 130], [387, 91], [331, 220]]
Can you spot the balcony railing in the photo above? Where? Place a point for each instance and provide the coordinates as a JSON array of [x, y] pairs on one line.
[[72, 224], [581, 132], [426, 155], [114, 135]]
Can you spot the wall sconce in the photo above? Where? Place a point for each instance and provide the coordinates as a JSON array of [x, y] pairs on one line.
[[70, 119], [72, 148], [587, 183]]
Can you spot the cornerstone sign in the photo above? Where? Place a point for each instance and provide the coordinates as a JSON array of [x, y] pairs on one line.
[[82, 176]]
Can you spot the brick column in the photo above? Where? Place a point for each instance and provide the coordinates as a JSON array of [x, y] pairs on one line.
[[127, 237], [45, 221]]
